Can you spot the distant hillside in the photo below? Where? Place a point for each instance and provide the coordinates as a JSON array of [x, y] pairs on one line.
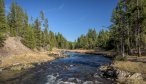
[[13, 46]]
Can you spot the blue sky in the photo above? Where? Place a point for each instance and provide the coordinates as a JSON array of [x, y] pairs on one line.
[[71, 17]]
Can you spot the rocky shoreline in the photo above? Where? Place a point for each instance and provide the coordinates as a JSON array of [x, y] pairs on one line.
[[121, 76]]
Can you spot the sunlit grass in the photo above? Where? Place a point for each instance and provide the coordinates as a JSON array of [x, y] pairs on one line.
[[25, 59], [131, 66]]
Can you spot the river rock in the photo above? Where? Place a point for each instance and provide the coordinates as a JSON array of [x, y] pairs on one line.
[[119, 75], [1, 69], [122, 74], [108, 71], [88, 82], [103, 68], [136, 76]]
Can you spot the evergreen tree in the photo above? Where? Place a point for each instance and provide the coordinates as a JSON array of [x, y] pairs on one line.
[[46, 35], [17, 20], [38, 34], [3, 24], [34, 34], [61, 41], [103, 39], [128, 29], [87, 41], [119, 23], [52, 40], [29, 37], [12, 19]]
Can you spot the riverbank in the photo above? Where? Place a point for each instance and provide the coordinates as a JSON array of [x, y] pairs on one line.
[[75, 69], [131, 71], [110, 54], [28, 60]]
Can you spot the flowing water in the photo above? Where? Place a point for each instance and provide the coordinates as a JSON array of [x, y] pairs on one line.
[[75, 69]]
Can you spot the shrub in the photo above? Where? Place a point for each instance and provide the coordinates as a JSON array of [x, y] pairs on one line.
[[2, 38], [120, 58]]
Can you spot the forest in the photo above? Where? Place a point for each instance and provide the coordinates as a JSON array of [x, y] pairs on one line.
[[126, 34], [34, 34], [31, 52]]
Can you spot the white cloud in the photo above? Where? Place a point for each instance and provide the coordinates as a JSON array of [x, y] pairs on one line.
[[60, 7]]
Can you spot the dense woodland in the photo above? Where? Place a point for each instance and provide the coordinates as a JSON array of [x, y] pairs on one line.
[[127, 32]]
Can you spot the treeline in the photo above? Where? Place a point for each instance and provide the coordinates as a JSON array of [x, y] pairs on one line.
[[129, 28], [34, 34], [94, 40], [127, 33]]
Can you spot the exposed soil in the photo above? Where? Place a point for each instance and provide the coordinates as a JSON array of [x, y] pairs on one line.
[[14, 53], [13, 46]]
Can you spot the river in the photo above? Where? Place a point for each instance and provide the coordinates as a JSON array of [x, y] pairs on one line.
[[76, 69]]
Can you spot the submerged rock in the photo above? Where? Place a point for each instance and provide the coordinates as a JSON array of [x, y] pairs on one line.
[[88, 82]]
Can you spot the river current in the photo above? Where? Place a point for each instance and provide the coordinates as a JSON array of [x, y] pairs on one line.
[[76, 69]]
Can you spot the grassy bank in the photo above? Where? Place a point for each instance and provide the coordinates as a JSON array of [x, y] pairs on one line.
[[96, 52], [133, 64], [132, 67], [135, 67], [25, 61]]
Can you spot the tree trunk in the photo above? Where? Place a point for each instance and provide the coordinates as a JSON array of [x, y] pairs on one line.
[[128, 33], [138, 31], [123, 49]]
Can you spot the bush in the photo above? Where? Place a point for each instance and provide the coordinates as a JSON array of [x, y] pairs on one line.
[[120, 58], [2, 38]]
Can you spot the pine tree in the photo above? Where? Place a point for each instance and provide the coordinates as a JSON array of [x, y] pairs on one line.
[[38, 34], [119, 26], [87, 41], [17, 20], [12, 19], [29, 39], [128, 30], [52, 40], [46, 35], [3, 24]]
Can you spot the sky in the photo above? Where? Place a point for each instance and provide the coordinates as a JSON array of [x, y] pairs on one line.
[[70, 17]]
